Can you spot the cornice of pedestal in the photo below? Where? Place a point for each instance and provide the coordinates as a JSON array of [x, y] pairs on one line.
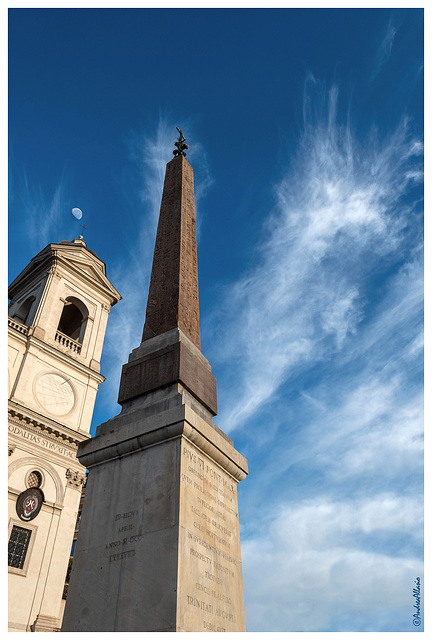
[[136, 429]]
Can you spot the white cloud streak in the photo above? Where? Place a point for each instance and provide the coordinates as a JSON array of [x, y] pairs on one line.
[[385, 49], [345, 558], [338, 283], [321, 578], [44, 216], [338, 214]]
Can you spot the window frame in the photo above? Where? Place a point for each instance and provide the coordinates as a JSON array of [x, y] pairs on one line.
[[14, 522]]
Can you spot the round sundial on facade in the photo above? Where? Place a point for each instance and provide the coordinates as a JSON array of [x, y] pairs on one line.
[[55, 394]]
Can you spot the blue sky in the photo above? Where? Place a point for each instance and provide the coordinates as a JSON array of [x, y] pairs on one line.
[[305, 133]]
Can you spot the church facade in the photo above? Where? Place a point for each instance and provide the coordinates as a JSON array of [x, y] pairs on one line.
[[56, 326]]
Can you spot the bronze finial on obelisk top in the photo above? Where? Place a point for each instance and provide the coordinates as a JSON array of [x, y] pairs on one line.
[[180, 144], [173, 294]]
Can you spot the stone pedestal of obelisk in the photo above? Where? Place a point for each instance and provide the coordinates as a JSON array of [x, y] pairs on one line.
[[159, 547]]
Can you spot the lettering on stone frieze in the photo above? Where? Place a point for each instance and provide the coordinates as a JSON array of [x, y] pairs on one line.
[[206, 493], [211, 592], [209, 507], [211, 534], [212, 577], [200, 556], [211, 547], [186, 479], [128, 514], [225, 570], [121, 543], [204, 606], [218, 479], [51, 446], [127, 527], [125, 541], [203, 588], [210, 608], [211, 523], [225, 615], [200, 514], [212, 627], [120, 556], [228, 509], [224, 530]]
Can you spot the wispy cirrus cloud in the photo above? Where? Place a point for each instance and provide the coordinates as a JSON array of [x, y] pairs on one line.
[[324, 388], [347, 461], [320, 561], [341, 211], [385, 49], [44, 216]]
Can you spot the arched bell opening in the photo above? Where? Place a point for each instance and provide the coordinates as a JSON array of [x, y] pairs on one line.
[[73, 319], [23, 313]]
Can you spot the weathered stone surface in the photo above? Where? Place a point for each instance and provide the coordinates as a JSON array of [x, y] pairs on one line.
[[210, 586], [173, 294], [177, 360], [159, 546]]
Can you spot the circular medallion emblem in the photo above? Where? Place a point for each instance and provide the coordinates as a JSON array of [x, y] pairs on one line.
[[29, 504], [55, 394]]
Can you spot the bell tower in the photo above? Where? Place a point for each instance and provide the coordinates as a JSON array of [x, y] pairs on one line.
[[56, 321]]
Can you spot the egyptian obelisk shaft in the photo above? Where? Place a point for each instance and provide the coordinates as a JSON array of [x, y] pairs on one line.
[[170, 347], [173, 295], [159, 541]]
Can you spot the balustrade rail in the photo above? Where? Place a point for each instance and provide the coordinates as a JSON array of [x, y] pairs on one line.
[[15, 324], [67, 342], [61, 338]]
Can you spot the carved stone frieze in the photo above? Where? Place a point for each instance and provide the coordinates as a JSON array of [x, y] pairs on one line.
[[51, 432], [75, 479]]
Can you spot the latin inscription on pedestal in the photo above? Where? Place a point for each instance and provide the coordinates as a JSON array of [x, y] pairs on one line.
[[126, 525], [210, 573]]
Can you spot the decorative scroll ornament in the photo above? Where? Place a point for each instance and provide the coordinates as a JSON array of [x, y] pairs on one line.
[[180, 144]]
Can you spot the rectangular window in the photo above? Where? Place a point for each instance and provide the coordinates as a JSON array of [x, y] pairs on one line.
[[18, 546]]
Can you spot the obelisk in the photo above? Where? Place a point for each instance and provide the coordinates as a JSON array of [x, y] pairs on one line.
[[159, 545]]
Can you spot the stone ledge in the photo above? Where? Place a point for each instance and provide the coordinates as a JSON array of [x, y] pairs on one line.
[[46, 623], [133, 432], [175, 362]]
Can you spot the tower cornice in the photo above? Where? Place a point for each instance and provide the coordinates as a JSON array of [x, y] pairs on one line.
[[66, 256]]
